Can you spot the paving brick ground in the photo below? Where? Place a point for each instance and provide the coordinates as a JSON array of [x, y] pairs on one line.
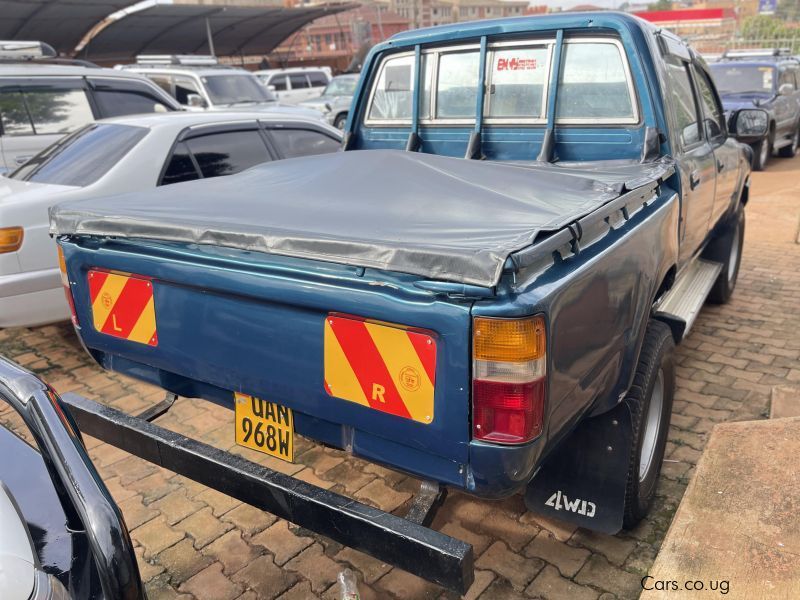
[[194, 542]]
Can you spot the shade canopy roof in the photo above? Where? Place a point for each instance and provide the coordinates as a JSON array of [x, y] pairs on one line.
[[181, 29], [60, 23]]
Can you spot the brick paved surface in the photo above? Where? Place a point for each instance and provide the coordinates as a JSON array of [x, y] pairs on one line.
[[194, 542]]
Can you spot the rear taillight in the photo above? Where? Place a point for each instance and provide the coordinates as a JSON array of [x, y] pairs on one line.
[[62, 265], [508, 379], [11, 239]]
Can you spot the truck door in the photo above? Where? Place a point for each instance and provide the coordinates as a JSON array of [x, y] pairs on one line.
[[695, 157], [726, 152]]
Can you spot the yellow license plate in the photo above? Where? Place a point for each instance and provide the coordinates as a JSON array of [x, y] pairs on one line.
[[264, 426]]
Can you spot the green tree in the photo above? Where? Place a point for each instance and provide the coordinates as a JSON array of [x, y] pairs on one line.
[[660, 5], [763, 27]]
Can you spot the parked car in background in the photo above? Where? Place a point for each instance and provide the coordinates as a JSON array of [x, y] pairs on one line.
[[40, 102], [295, 85], [121, 155], [200, 83], [769, 81], [335, 100]]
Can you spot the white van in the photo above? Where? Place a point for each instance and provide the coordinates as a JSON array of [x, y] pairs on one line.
[[295, 85]]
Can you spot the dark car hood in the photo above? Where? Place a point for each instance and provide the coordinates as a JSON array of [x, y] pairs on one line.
[[749, 100]]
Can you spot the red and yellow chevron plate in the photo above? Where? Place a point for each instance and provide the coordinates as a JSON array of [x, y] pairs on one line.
[[122, 306], [385, 367]]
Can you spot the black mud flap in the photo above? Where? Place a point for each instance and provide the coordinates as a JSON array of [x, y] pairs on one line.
[[583, 481]]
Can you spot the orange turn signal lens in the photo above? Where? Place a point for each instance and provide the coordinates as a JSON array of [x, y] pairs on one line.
[[11, 239], [510, 340]]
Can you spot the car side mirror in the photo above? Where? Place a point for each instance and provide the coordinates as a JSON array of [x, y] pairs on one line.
[[748, 124], [195, 101], [786, 89]]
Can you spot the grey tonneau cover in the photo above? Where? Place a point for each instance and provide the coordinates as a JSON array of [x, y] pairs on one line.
[[442, 218]]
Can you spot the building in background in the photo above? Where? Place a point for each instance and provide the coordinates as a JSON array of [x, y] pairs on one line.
[[334, 41], [700, 26], [427, 13]]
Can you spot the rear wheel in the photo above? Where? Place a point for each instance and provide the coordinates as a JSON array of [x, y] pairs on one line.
[[650, 402], [790, 151], [727, 249]]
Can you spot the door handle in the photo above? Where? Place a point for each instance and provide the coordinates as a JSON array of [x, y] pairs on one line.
[[694, 179]]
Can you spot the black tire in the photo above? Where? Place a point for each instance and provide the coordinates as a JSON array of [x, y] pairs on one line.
[[790, 151], [340, 121], [726, 248], [761, 152], [655, 373]]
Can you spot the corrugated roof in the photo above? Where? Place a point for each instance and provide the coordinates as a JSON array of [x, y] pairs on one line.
[[181, 29], [60, 23]]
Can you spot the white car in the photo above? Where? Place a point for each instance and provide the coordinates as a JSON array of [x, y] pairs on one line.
[[296, 84], [119, 155]]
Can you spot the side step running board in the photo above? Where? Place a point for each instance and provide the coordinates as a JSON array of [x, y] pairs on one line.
[[686, 298]]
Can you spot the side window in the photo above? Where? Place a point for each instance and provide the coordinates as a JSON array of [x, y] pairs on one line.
[[13, 114], [681, 93], [786, 77], [292, 143], [279, 81], [713, 116], [180, 166], [517, 83], [594, 84], [317, 79], [299, 81], [229, 152], [457, 85], [162, 81], [392, 94], [58, 111], [183, 87], [115, 103]]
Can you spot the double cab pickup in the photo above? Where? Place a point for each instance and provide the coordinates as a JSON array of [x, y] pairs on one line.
[[483, 289]]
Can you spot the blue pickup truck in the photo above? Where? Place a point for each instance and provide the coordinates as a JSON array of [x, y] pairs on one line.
[[483, 289]]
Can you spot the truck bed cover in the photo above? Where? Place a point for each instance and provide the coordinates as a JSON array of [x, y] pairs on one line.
[[442, 218]]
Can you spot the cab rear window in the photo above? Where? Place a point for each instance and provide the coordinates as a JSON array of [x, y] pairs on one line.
[[83, 157], [594, 84]]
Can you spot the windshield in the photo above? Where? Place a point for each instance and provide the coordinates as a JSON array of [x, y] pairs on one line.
[[236, 89], [82, 158], [742, 79], [341, 86]]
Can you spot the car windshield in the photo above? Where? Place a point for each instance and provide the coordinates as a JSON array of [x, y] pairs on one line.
[[341, 86], [236, 89], [83, 157], [743, 79]]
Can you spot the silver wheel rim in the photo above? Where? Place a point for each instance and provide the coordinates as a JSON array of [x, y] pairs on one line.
[[652, 424], [796, 141], [734, 257], [764, 152]]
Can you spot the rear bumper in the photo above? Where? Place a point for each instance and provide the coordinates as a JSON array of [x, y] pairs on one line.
[[32, 298]]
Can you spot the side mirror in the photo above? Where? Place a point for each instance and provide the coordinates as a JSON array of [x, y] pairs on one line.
[[272, 88], [786, 89], [748, 124], [195, 101]]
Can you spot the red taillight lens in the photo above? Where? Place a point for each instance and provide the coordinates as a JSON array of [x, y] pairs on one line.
[[62, 265], [507, 413], [508, 387]]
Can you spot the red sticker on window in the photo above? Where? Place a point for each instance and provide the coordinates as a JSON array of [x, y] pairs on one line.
[[516, 64]]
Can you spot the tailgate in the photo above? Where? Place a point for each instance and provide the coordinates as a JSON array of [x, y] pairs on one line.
[[365, 360]]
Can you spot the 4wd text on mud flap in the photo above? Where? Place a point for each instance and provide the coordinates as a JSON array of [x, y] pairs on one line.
[[559, 501]]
